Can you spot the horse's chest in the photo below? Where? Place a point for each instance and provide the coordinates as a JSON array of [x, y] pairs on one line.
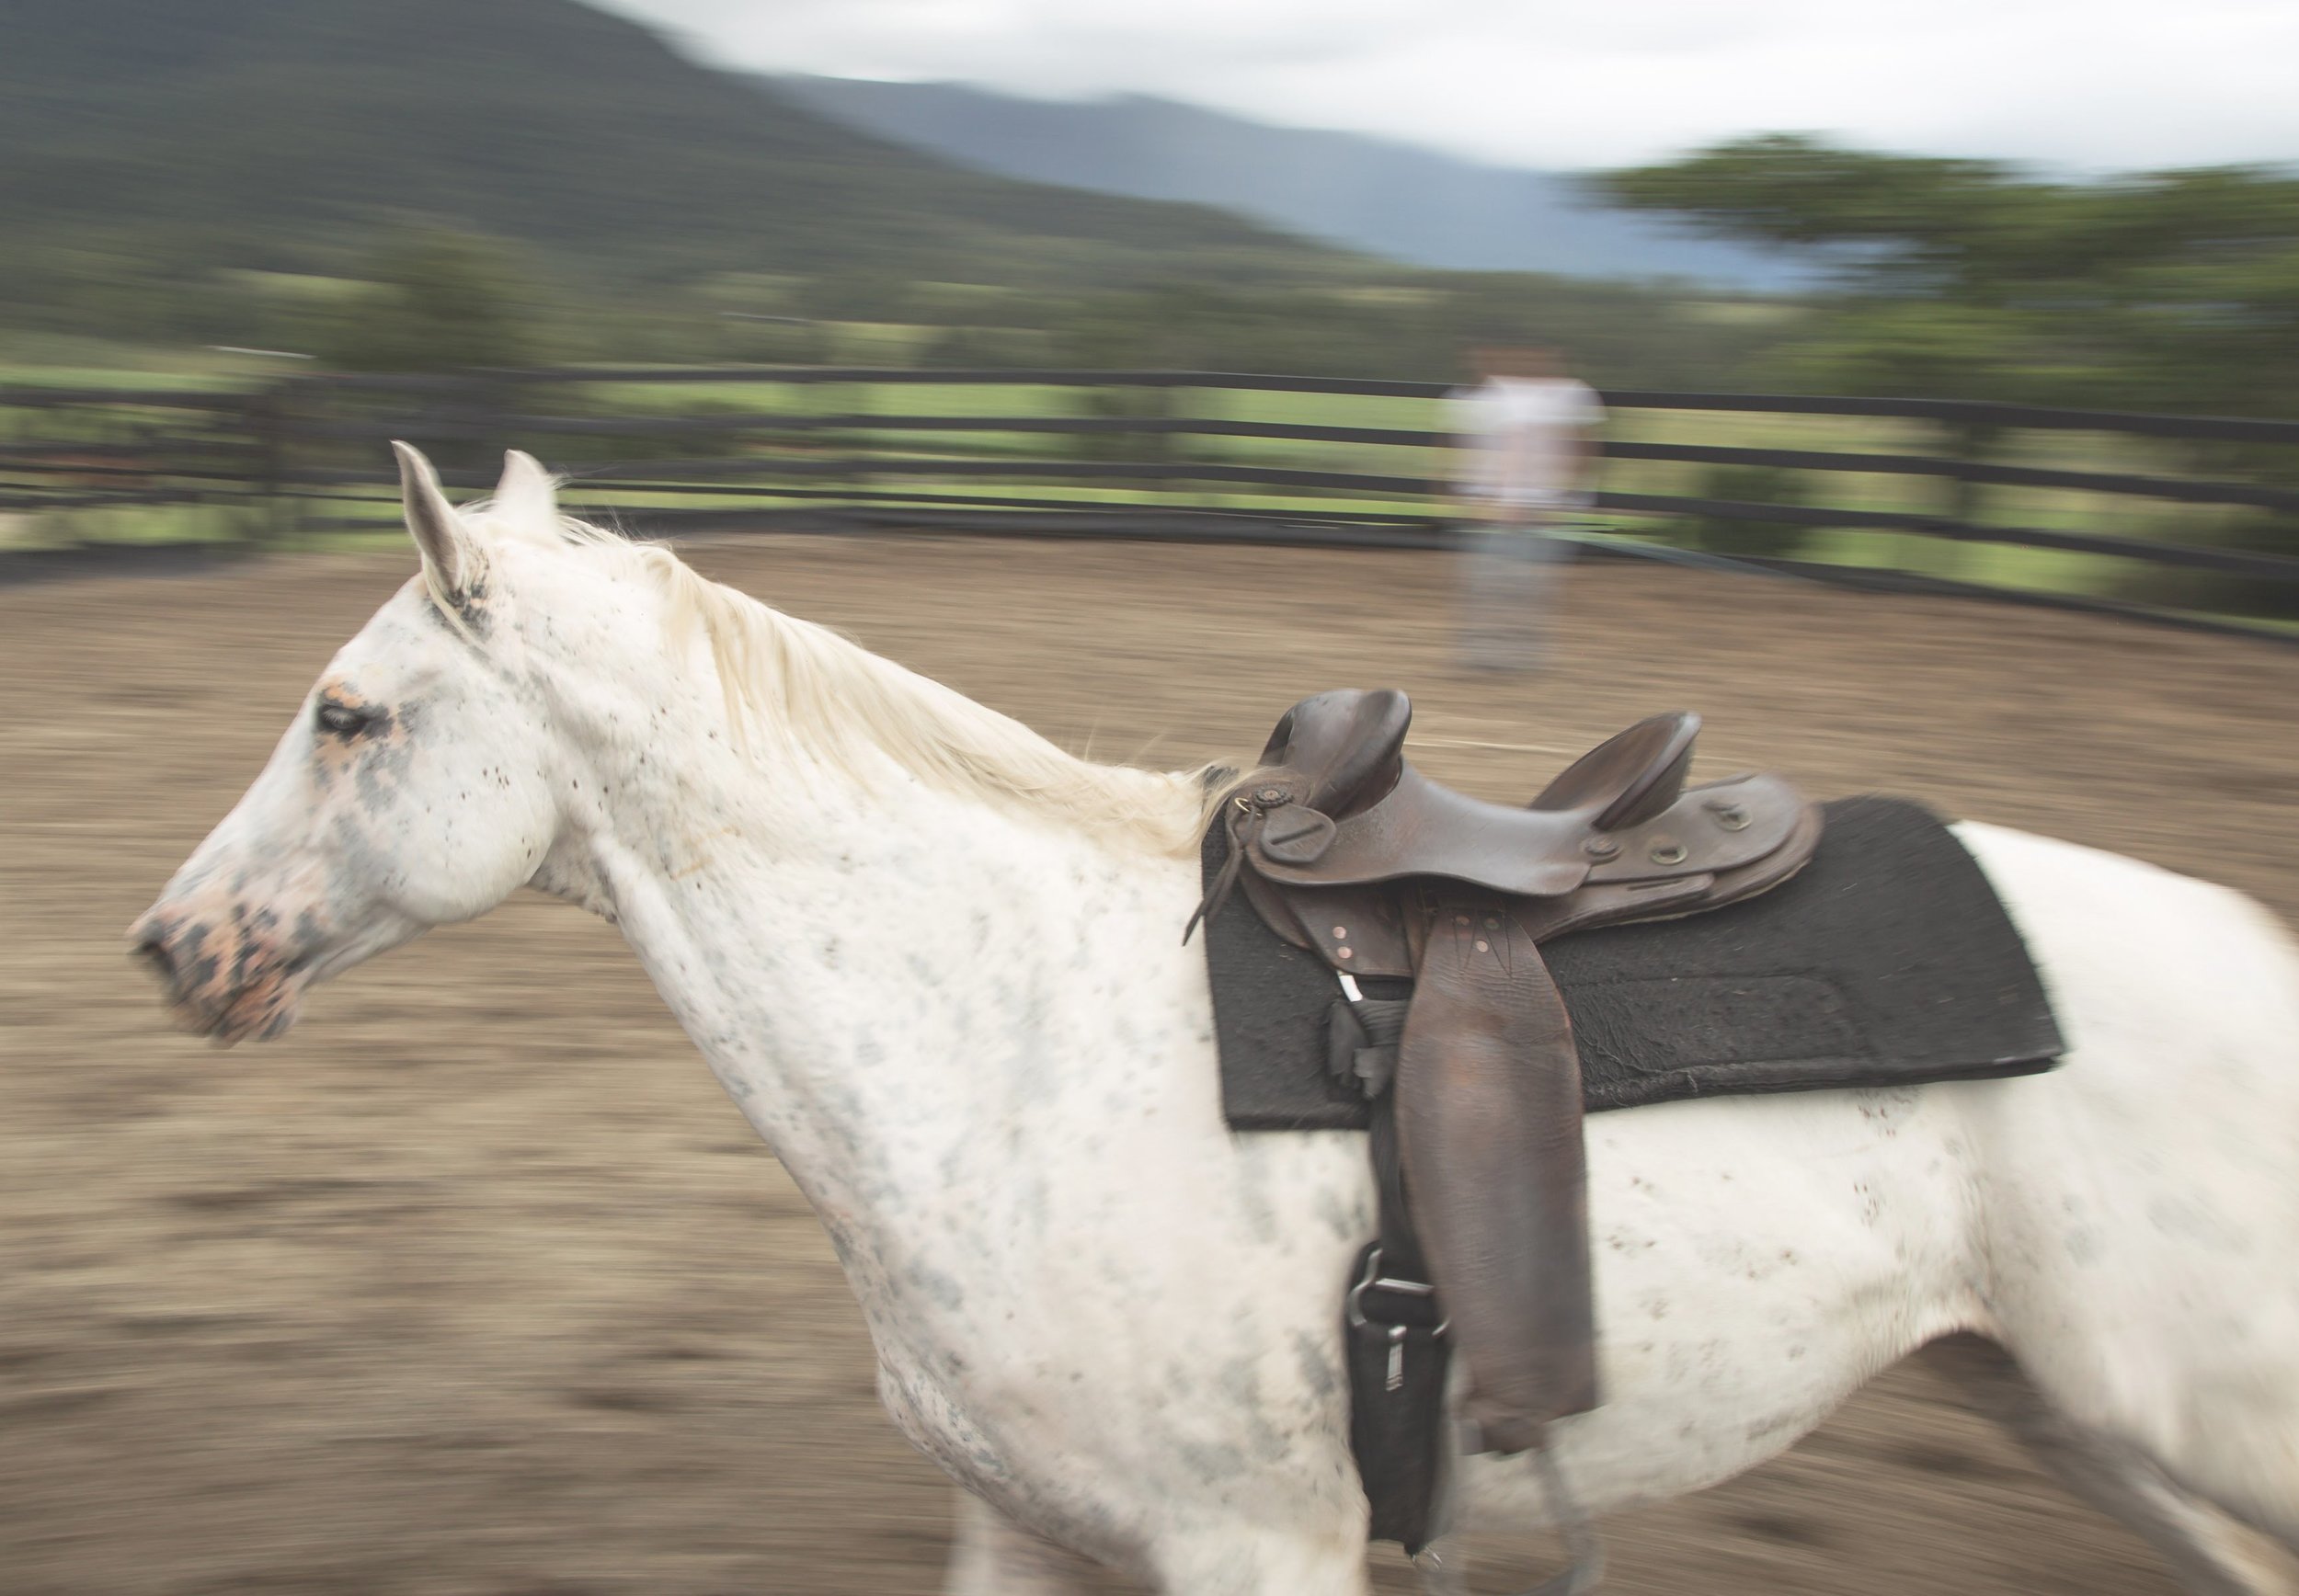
[[1008, 1449], [932, 1415]]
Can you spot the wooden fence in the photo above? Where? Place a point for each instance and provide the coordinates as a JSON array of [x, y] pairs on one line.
[[2191, 521]]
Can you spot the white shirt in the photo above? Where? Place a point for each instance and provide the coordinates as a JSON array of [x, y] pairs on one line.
[[1520, 438]]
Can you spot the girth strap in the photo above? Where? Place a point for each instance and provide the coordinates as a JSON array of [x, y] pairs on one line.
[[1394, 1333], [1489, 1127]]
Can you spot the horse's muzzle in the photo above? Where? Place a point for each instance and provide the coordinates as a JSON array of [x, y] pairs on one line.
[[223, 979]]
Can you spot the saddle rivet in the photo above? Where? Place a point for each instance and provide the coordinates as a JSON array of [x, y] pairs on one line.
[[1668, 853], [1600, 847], [1340, 932], [1460, 919], [1493, 922], [1483, 946], [1344, 953], [1730, 816]]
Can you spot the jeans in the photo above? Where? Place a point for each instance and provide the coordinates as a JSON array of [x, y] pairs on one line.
[[1507, 573]]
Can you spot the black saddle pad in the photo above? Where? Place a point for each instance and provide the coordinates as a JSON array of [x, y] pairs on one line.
[[1887, 961]]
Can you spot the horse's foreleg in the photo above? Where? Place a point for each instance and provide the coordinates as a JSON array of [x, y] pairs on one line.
[[1238, 1559], [993, 1556]]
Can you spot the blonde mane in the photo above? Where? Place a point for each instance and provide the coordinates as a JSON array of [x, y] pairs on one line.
[[806, 686]]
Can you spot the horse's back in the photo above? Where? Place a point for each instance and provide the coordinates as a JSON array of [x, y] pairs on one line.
[[2127, 949], [2179, 1003]]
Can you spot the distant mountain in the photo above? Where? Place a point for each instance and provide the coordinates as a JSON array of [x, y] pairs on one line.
[[185, 135], [1386, 198]]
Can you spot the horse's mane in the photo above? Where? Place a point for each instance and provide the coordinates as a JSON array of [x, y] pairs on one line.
[[803, 686]]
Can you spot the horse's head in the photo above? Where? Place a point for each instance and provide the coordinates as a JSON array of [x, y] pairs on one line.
[[414, 787], [549, 703]]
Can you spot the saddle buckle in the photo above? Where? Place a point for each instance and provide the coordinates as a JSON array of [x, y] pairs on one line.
[[1396, 1329]]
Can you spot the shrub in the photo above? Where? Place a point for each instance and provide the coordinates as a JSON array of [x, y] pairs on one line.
[[436, 301], [1760, 484]]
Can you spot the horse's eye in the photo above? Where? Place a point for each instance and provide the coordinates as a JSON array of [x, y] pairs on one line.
[[343, 720]]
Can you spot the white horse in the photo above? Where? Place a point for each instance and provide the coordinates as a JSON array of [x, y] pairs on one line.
[[938, 964]]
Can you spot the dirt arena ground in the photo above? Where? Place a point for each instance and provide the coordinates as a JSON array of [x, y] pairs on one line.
[[475, 1286]]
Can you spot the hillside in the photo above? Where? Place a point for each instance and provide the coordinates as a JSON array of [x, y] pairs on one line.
[[156, 138], [1411, 205]]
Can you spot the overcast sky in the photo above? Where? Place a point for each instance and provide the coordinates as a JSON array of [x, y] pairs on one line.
[[2090, 83]]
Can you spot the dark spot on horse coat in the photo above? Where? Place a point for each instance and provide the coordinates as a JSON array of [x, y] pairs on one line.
[[470, 604], [944, 1289], [1318, 1371]]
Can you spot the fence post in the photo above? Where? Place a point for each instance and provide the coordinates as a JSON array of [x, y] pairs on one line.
[[858, 445], [1157, 408], [1969, 443], [277, 520]]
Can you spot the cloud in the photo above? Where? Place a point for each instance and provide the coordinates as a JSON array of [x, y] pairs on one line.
[[2090, 83]]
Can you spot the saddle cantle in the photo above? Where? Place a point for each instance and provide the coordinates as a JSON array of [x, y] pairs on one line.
[[1346, 849]]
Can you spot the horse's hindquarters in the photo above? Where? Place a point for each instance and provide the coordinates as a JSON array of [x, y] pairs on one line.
[[2140, 1204]]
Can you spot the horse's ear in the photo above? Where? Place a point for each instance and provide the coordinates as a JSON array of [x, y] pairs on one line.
[[526, 490], [450, 555]]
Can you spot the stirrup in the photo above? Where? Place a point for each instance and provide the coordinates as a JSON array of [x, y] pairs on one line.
[[1444, 1572], [1582, 1544]]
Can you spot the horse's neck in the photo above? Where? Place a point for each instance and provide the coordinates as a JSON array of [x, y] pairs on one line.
[[886, 978]]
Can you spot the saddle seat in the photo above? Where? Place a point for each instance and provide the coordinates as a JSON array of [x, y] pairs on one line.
[[1615, 836], [1350, 745], [1345, 849]]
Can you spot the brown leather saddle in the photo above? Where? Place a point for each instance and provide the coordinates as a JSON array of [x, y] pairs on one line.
[[1345, 849]]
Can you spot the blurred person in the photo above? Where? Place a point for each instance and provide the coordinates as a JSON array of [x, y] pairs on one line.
[[1524, 457]]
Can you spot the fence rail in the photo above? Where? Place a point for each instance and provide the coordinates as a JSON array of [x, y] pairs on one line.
[[2193, 520]]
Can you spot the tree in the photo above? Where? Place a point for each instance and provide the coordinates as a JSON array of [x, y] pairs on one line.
[[2168, 291], [1975, 279], [436, 301]]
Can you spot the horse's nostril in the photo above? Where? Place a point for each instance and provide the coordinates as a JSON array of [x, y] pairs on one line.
[[153, 951]]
